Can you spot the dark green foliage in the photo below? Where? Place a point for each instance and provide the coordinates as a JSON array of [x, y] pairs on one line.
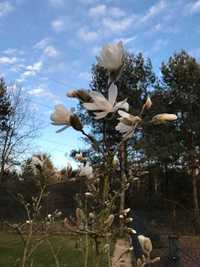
[[5, 105]]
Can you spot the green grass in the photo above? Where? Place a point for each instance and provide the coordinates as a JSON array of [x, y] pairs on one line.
[[69, 256]]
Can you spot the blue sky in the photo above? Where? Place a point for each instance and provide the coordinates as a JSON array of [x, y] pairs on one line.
[[47, 48]]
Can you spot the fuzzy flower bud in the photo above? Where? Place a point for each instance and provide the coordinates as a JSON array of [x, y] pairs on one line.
[[81, 95], [111, 57], [162, 118], [148, 103]]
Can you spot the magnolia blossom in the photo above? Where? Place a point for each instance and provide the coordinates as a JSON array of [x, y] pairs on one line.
[[37, 163], [131, 231], [103, 106], [127, 124], [86, 170], [63, 117], [111, 57], [145, 244], [162, 118], [126, 211], [80, 157], [148, 103], [88, 194]]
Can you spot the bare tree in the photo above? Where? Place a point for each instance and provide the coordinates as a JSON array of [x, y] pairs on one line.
[[17, 137]]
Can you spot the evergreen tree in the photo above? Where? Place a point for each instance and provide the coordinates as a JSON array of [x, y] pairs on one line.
[[181, 77]]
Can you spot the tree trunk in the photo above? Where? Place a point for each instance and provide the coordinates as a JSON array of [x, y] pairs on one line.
[[195, 201]]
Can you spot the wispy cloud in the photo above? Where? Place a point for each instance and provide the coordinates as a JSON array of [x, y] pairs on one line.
[[125, 40], [154, 10], [42, 91], [51, 51], [42, 43], [117, 25], [5, 8], [31, 70], [7, 60], [86, 35], [56, 3], [58, 25], [98, 10], [103, 10], [193, 7], [159, 44]]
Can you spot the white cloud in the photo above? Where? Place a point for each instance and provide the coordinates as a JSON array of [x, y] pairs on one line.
[[10, 51], [87, 2], [99, 10], [85, 76], [159, 44], [31, 70], [51, 51], [42, 91], [102, 10], [7, 60], [194, 7], [5, 8], [116, 12], [42, 44], [125, 41], [86, 35], [115, 25], [154, 10], [58, 25], [56, 3]]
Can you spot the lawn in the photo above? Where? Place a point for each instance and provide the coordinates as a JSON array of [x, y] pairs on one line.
[[69, 254]]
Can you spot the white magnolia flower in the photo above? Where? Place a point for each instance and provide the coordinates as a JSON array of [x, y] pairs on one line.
[[131, 231], [79, 157], [61, 116], [88, 194], [103, 106], [86, 170], [37, 163], [127, 124], [126, 211], [148, 103], [145, 244], [49, 216], [162, 118], [111, 57], [64, 117]]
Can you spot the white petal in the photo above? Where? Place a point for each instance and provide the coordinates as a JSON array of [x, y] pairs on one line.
[[112, 94], [90, 106], [122, 128], [122, 105], [123, 114]]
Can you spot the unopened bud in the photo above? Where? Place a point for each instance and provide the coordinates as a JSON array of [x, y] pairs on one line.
[[76, 123]]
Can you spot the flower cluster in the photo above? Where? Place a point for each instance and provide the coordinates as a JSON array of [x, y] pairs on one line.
[[111, 58]]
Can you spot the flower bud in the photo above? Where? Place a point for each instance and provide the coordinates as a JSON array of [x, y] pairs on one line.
[[148, 103], [81, 95], [76, 123], [131, 231], [162, 118]]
